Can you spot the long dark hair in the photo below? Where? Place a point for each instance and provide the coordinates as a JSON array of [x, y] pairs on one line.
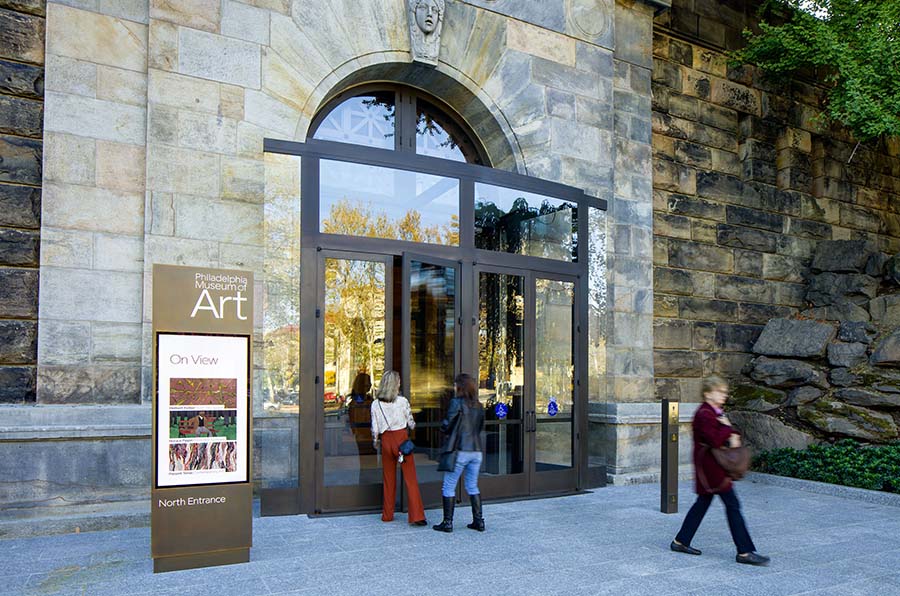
[[467, 389]]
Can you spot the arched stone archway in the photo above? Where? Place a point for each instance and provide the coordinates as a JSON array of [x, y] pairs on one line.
[[472, 105]]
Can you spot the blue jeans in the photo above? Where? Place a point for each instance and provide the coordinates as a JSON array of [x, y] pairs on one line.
[[470, 461]]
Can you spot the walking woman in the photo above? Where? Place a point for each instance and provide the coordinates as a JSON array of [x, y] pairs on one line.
[[391, 417], [463, 426], [712, 429]]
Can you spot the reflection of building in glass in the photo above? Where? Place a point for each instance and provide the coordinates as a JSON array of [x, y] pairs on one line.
[[525, 223]]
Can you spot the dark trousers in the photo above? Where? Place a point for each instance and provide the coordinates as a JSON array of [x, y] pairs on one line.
[[736, 524]]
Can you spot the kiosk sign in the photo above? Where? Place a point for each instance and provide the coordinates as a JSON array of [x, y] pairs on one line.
[[201, 498]]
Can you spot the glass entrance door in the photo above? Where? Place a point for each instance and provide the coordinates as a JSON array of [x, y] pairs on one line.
[[552, 424], [502, 379], [382, 313], [429, 353], [406, 313], [526, 375], [355, 349]]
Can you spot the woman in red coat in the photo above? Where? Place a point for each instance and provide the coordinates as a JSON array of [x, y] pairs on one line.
[[711, 429]]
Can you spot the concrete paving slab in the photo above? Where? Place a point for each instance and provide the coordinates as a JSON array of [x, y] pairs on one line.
[[611, 541]]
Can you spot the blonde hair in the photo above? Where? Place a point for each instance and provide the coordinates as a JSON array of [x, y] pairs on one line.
[[710, 384], [389, 387]]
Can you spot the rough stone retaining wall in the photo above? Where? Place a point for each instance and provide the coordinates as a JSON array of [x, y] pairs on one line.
[[745, 185], [21, 147], [832, 371]]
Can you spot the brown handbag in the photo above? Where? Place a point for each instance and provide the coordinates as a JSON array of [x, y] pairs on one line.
[[734, 460]]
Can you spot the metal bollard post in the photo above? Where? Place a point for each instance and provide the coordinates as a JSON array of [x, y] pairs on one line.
[[668, 477]]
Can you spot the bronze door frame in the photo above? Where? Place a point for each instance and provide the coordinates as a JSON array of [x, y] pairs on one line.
[[342, 497], [431, 491], [313, 242], [531, 482], [555, 481]]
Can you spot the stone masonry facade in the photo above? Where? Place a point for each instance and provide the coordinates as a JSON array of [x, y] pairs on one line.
[[21, 131], [153, 131], [746, 183]]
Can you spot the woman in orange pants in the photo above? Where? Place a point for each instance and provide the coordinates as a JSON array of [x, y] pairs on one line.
[[391, 417]]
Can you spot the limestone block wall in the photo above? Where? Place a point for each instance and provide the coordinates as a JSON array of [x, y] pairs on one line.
[[21, 117], [155, 118], [89, 344], [745, 184]]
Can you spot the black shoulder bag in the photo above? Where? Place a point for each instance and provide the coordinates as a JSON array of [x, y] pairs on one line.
[[447, 459]]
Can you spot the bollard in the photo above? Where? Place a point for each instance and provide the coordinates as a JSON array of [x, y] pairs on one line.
[[668, 476]]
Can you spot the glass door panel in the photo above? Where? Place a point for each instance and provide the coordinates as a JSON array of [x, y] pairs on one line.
[[501, 370], [554, 375], [355, 305], [431, 310]]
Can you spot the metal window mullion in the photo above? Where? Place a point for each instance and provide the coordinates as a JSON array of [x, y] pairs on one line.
[[309, 200], [467, 213]]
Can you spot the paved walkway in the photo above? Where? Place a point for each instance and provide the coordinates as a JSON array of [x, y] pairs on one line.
[[612, 541]]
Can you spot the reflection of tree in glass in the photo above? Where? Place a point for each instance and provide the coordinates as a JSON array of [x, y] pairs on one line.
[[354, 318], [554, 348], [509, 231], [353, 218], [500, 338], [387, 107], [426, 125], [281, 313], [597, 305]]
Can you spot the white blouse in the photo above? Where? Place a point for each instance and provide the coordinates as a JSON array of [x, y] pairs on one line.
[[397, 416]]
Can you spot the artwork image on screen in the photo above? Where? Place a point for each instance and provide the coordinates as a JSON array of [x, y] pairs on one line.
[[194, 424], [219, 456], [203, 392]]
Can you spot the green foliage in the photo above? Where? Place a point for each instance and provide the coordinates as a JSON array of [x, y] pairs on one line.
[[856, 44], [875, 467]]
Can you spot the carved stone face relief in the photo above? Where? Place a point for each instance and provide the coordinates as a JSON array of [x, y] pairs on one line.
[[426, 18], [427, 15]]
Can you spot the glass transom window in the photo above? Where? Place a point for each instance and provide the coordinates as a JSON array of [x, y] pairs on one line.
[[525, 223], [362, 120], [398, 118], [377, 202]]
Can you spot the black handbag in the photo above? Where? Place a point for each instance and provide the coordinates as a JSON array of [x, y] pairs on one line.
[[447, 461], [447, 458]]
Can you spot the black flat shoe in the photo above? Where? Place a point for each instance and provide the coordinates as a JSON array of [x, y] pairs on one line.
[[421, 522], [752, 558], [680, 548]]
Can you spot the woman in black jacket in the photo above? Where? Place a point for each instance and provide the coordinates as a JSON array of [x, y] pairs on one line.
[[463, 426]]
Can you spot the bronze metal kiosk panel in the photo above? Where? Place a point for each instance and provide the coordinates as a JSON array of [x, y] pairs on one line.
[[201, 495]]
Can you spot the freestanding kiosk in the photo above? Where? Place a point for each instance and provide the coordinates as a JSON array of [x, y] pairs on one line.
[[201, 497]]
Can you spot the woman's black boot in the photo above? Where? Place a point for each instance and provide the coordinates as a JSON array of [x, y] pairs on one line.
[[477, 519], [447, 524]]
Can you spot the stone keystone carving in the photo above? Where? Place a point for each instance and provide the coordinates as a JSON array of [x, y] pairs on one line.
[[426, 18]]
